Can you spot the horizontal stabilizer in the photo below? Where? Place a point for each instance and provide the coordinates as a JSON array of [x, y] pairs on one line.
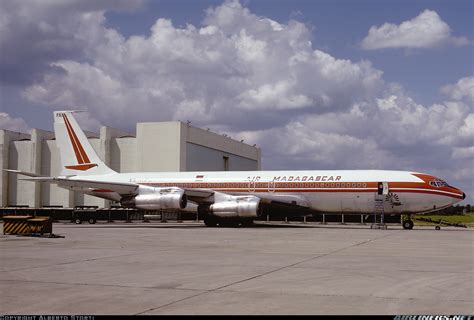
[[28, 174], [40, 179]]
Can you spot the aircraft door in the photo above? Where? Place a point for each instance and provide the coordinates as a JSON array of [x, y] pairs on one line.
[[271, 186], [382, 188], [252, 186]]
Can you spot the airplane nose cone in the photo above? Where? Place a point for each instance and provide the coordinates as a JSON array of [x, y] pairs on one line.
[[463, 196]]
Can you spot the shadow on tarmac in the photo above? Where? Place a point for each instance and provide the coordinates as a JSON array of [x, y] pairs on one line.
[[259, 225], [177, 225]]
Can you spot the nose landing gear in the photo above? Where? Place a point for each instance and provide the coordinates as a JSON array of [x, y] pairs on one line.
[[407, 222]]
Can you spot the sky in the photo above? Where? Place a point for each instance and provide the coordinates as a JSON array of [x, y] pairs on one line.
[[340, 84]]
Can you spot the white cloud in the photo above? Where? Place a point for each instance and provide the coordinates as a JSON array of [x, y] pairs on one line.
[[12, 124], [462, 153], [427, 30], [392, 132], [34, 33], [235, 68], [309, 147], [464, 88], [467, 128]]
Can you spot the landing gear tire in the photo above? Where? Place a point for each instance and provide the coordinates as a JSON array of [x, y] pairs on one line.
[[210, 221], [228, 223], [408, 224], [247, 222]]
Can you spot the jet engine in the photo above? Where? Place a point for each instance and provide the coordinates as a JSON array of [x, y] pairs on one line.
[[156, 199], [240, 207]]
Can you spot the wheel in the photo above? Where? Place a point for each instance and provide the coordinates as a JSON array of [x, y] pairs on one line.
[[227, 223], [247, 222], [91, 221], [438, 228], [78, 221], [210, 221], [408, 224]]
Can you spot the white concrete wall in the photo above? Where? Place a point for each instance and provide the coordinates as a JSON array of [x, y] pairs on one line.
[[37, 138], [159, 147], [204, 138], [108, 146], [6, 137], [200, 158], [21, 192], [123, 154], [51, 194]]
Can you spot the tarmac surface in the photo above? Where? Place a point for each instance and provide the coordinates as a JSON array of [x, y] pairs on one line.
[[186, 268]]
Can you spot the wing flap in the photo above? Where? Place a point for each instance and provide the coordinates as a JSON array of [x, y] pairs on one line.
[[122, 188], [200, 196], [284, 200]]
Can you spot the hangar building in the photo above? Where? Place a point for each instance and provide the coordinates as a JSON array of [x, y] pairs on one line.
[[157, 146]]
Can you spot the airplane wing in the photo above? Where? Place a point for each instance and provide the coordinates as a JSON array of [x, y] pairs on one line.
[[285, 204], [274, 201], [200, 196], [284, 200], [287, 207]]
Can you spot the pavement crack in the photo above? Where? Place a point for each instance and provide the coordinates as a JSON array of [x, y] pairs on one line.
[[264, 274], [70, 262], [96, 284], [354, 296], [300, 262]]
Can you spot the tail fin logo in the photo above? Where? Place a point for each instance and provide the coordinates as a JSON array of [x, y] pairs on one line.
[[83, 160]]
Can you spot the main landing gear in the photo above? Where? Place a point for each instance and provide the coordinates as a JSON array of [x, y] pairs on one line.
[[213, 221], [407, 222]]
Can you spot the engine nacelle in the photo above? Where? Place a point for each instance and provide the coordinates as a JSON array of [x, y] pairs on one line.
[[239, 208], [161, 200]]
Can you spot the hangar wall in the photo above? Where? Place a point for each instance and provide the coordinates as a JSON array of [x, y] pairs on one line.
[[157, 146]]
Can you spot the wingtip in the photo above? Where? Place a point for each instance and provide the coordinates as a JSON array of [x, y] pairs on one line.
[[12, 170]]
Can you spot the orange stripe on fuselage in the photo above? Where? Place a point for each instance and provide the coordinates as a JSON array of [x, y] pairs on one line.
[[309, 187]]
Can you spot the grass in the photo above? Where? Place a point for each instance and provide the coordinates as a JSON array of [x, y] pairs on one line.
[[467, 219]]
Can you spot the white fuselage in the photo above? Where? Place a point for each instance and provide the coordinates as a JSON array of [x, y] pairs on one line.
[[347, 191]]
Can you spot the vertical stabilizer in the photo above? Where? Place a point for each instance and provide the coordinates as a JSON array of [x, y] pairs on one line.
[[77, 155]]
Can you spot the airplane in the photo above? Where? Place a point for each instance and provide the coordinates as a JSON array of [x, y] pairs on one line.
[[236, 198]]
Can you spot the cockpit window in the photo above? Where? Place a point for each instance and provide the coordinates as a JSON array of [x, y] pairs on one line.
[[438, 183]]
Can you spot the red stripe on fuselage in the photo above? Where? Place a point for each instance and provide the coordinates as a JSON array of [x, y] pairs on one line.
[[305, 187]]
